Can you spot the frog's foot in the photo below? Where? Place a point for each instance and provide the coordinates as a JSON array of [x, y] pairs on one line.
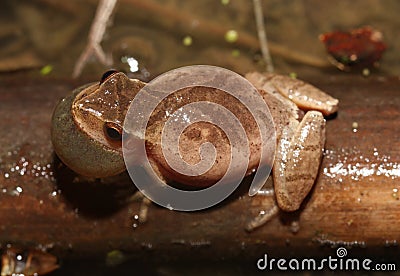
[[97, 30], [297, 160], [144, 206], [304, 95]]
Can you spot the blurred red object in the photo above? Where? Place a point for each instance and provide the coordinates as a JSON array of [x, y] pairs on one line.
[[358, 48]]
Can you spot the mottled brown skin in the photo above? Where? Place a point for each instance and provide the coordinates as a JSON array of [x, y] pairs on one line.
[[198, 133], [81, 139], [304, 95], [103, 103], [95, 105], [297, 160], [300, 140]]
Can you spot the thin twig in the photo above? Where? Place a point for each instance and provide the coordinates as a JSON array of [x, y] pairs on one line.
[[176, 20], [97, 30], [262, 36]]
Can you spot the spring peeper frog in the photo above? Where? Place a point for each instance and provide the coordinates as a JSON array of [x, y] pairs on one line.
[[87, 132]]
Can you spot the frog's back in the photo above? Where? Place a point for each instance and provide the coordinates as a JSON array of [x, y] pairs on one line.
[[198, 133]]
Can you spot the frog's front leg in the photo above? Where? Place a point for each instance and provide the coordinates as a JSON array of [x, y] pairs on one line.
[[144, 205], [296, 164], [267, 196]]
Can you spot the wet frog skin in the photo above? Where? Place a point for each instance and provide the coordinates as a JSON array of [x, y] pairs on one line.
[[77, 145], [87, 131]]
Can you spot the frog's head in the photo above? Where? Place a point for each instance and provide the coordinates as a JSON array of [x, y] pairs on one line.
[[87, 125]]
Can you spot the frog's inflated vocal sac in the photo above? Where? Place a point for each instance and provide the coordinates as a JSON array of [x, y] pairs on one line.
[[87, 131]]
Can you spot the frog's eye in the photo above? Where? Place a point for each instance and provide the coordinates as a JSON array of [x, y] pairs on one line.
[[113, 132], [107, 74]]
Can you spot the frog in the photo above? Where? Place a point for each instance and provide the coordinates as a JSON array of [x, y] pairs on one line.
[[87, 130]]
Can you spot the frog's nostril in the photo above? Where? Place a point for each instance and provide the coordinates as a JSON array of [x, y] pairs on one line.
[[107, 74], [113, 132]]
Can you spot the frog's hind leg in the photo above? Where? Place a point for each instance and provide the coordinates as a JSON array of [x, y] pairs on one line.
[[139, 196], [296, 165], [297, 160]]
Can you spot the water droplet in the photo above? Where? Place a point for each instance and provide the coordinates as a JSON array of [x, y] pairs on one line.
[[354, 126], [17, 191]]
